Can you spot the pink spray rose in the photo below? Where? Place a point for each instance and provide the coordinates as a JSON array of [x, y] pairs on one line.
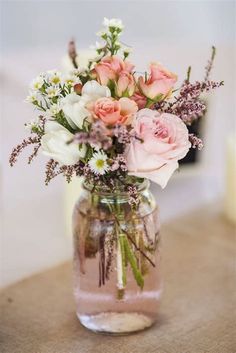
[[140, 99], [110, 67], [125, 84], [164, 141], [113, 112], [160, 82], [128, 109]]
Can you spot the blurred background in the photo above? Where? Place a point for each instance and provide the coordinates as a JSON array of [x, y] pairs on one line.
[[34, 35]]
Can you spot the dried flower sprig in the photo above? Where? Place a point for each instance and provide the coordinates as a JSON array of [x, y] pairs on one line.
[[196, 142], [73, 53], [19, 148], [188, 105], [51, 170], [209, 65], [97, 136], [134, 198]]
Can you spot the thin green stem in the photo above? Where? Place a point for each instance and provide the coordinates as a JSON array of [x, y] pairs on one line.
[[123, 258], [133, 263]]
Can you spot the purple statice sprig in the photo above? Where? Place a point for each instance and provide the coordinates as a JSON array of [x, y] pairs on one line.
[[31, 140], [53, 169], [124, 135], [37, 129], [188, 104], [209, 65], [133, 193], [119, 163], [96, 137], [196, 142], [194, 90]]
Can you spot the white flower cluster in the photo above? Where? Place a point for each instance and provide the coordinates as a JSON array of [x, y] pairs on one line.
[[66, 111], [49, 85], [113, 23], [110, 38], [74, 107]]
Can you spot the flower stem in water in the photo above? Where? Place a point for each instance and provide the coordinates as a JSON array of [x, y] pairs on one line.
[[133, 263]]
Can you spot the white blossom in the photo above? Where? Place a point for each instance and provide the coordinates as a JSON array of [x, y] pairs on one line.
[[31, 124], [54, 109], [113, 22], [92, 90], [32, 97], [55, 144], [53, 91], [37, 83], [54, 77], [71, 78], [98, 163], [74, 106], [74, 109]]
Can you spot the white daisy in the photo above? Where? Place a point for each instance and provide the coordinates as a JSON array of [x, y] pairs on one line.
[[54, 77], [53, 110], [98, 163], [53, 91], [71, 79], [37, 83], [31, 98], [31, 124]]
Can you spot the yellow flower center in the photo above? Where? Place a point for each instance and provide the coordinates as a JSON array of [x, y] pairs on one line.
[[55, 80], [100, 163]]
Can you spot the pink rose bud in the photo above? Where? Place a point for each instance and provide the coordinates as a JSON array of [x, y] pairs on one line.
[[110, 67], [78, 88], [159, 84], [125, 85], [140, 99]]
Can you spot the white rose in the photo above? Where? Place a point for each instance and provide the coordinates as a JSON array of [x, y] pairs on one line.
[[54, 144], [74, 106], [92, 91], [74, 109]]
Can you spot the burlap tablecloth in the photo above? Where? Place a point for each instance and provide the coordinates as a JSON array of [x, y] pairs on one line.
[[197, 314]]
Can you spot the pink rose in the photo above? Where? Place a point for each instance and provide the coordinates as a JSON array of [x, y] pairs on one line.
[[125, 84], [113, 112], [128, 109], [165, 141], [139, 99], [160, 82], [110, 67]]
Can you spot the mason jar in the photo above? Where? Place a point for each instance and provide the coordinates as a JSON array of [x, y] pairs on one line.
[[117, 276]]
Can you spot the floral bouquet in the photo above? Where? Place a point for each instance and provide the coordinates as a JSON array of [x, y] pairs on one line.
[[116, 128]]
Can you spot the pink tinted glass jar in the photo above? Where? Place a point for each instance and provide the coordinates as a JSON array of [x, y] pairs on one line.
[[117, 277]]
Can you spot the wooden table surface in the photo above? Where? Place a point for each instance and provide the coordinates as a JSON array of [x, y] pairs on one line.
[[197, 314]]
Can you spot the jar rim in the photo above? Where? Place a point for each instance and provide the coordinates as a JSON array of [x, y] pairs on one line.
[[103, 189]]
